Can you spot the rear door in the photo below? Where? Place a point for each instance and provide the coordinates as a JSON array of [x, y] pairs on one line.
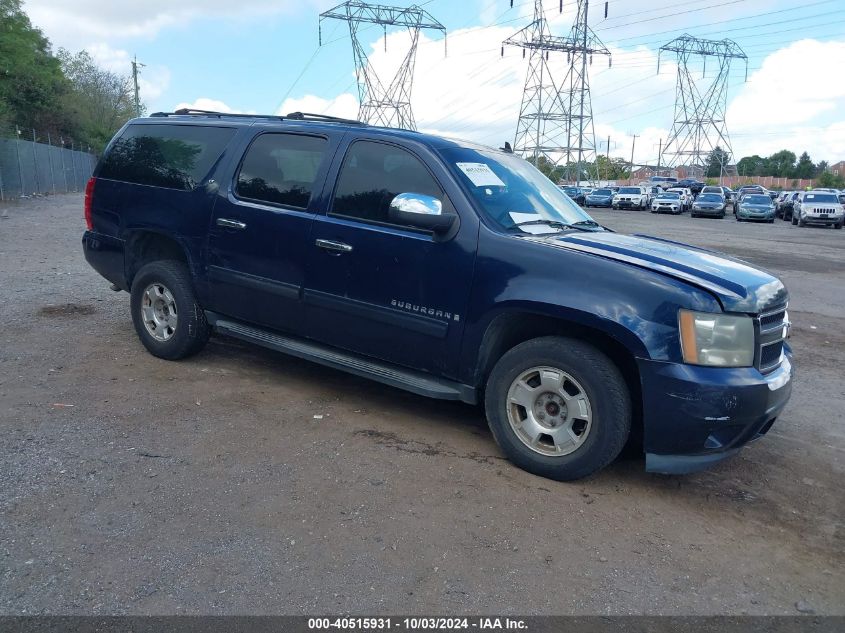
[[258, 239], [384, 290]]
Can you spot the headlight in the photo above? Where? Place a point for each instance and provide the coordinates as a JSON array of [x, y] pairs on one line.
[[696, 206], [717, 340]]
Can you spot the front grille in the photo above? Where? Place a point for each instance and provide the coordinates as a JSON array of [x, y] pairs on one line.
[[770, 333]]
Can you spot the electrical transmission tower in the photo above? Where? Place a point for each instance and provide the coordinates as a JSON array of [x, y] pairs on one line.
[[700, 105], [387, 104], [556, 119]]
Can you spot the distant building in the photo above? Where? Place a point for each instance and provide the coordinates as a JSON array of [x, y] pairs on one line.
[[838, 168]]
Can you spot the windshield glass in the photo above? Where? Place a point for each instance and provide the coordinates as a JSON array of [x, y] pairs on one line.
[[826, 198], [709, 197], [630, 190], [758, 199], [509, 190], [711, 190], [602, 192], [669, 195]]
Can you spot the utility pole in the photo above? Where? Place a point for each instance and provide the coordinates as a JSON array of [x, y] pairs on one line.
[[700, 106], [135, 66], [659, 156], [387, 104], [607, 161], [631, 168], [555, 119]]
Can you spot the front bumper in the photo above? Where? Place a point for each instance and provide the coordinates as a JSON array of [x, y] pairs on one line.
[[760, 217], [831, 220], [708, 211], [694, 417]]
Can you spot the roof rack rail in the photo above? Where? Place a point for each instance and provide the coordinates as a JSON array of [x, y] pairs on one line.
[[293, 116]]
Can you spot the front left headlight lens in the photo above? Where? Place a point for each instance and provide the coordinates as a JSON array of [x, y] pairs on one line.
[[716, 340]]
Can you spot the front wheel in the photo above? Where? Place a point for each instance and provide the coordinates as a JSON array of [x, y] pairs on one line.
[[558, 407], [168, 319]]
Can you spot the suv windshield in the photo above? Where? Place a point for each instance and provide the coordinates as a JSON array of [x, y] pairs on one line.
[[826, 198], [511, 191], [672, 195], [630, 190]]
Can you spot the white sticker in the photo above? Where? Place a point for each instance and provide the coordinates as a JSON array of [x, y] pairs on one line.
[[535, 229], [480, 174]]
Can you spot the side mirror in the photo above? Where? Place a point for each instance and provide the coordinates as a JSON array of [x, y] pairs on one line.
[[420, 211]]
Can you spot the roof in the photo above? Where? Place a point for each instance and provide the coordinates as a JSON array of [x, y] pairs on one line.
[[302, 120]]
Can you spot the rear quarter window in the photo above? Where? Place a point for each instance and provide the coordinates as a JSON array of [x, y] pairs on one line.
[[170, 156]]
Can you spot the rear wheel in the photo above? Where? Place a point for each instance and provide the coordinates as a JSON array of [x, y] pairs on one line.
[[558, 407], [168, 319]]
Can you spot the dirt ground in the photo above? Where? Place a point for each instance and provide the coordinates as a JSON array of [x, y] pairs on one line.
[[129, 484]]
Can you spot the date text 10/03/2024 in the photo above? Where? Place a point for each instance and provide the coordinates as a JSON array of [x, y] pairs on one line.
[[416, 624]]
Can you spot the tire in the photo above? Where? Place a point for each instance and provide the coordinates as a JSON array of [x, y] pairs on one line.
[[801, 221], [838, 225], [722, 217], [588, 378], [794, 220], [166, 284]]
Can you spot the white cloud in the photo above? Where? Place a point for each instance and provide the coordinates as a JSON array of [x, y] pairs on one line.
[[73, 23], [344, 105], [791, 102], [204, 103]]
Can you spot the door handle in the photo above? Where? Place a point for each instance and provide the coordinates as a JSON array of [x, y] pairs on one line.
[[230, 224], [339, 247]]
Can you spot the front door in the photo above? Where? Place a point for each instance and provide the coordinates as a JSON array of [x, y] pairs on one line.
[[260, 228], [391, 292]]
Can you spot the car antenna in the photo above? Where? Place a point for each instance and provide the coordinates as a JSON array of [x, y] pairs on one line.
[[507, 149]]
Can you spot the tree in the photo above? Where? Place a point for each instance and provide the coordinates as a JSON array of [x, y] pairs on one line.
[[31, 80], [752, 166], [716, 162], [822, 167], [805, 168], [830, 179], [100, 101], [781, 164]]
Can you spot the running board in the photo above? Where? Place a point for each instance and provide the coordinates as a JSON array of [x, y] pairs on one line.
[[409, 380]]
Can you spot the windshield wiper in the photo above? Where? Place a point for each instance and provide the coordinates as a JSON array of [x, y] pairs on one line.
[[575, 226]]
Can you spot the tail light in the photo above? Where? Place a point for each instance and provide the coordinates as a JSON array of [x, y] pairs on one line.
[[89, 199]]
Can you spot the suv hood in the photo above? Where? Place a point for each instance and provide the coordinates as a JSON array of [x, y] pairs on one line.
[[736, 284]]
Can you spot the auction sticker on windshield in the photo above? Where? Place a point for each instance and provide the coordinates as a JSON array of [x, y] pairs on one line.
[[480, 174]]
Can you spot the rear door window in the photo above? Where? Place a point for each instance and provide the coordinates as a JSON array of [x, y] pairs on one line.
[[281, 169], [170, 156]]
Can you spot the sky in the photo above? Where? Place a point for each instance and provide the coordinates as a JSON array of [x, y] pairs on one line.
[[263, 56]]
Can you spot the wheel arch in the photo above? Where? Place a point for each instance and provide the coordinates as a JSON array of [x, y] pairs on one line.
[[144, 246], [510, 328]]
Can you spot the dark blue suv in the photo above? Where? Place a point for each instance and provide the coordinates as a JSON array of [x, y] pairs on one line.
[[445, 268]]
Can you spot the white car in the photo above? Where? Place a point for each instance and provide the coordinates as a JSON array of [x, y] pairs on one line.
[[818, 207], [685, 195], [667, 202], [631, 198]]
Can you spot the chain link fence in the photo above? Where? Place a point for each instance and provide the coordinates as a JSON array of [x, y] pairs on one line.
[[33, 167]]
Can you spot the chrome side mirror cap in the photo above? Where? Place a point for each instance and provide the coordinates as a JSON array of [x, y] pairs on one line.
[[420, 211]]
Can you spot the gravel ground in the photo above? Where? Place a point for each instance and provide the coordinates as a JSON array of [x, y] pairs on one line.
[[132, 485]]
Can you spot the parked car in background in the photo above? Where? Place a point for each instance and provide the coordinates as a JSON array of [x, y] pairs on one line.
[[685, 196], [667, 202], [780, 202], [576, 193], [664, 182], [748, 189], [709, 204], [599, 198], [785, 210], [818, 207], [756, 207], [726, 192], [694, 185], [631, 198]]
